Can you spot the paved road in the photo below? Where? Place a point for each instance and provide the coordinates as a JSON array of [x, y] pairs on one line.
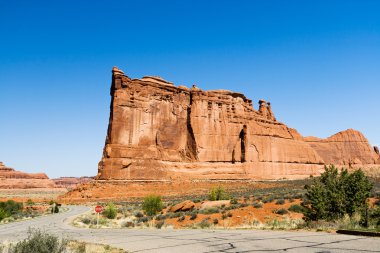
[[170, 240]]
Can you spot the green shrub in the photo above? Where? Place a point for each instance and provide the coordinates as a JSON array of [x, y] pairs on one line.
[[3, 214], [218, 193], [335, 194], [110, 211], [193, 216], [11, 207], [41, 242], [280, 202], [160, 224], [257, 205], [152, 204], [128, 224], [143, 219], [29, 202], [296, 208], [182, 218], [139, 214], [233, 201], [215, 221], [280, 211], [204, 223]]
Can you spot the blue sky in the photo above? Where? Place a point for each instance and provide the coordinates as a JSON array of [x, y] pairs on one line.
[[318, 62]]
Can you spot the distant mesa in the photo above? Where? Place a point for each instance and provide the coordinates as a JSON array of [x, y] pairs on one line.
[[71, 182], [12, 179], [158, 131]]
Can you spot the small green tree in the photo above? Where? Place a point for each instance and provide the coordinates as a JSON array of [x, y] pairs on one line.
[[110, 211], [218, 193], [152, 204], [335, 194]]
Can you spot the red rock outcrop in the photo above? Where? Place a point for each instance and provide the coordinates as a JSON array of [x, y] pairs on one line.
[[12, 179], [348, 148], [159, 131], [71, 182]]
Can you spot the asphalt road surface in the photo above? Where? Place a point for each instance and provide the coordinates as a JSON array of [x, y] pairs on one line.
[[170, 240]]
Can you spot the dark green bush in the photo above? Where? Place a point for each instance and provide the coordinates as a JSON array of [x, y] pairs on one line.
[[257, 205], [280, 202], [335, 194], [280, 211], [193, 216], [11, 207], [152, 204], [139, 214], [40, 242], [296, 208], [215, 221]]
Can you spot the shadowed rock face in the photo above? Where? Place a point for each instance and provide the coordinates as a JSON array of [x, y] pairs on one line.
[[160, 131]]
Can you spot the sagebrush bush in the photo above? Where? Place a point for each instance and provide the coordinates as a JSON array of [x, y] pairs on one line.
[[40, 242], [257, 205], [280, 202], [193, 216], [152, 204]]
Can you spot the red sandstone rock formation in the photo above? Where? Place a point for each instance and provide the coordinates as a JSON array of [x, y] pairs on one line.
[[12, 179], [348, 148], [71, 182], [160, 131]]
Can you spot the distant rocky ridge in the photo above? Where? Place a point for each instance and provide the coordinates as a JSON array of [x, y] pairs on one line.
[[12, 179], [160, 131], [71, 182]]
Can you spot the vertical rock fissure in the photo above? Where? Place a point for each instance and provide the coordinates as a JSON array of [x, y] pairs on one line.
[[191, 145], [243, 143]]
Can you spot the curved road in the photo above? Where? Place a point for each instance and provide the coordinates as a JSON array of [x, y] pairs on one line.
[[170, 240]]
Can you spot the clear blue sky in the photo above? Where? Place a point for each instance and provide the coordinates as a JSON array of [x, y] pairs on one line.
[[318, 62]]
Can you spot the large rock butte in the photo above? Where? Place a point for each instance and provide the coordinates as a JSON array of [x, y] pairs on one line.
[[159, 131]]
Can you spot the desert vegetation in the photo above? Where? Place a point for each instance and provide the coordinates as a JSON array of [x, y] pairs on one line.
[[11, 210], [43, 242], [335, 200]]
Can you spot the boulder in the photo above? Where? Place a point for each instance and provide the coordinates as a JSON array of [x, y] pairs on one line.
[[217, 203], [184, 206]]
